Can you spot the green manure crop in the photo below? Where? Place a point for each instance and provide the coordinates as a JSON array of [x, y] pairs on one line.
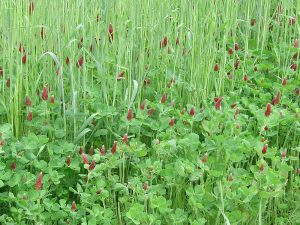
[[149, 112]]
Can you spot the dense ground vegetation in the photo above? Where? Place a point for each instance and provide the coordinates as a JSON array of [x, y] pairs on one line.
[[149, 112]]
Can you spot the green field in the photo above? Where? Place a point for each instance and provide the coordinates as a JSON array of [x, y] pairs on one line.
[[150, 112]]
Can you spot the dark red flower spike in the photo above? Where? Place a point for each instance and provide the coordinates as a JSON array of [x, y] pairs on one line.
[[67, 60], [79, 63], [24, 59], [38, 183], [218, 103], [29, 116], [216, 68], [268, 110], [27, 101], [84, 158], [114, 148], [45, 93], [192, 111], [264, 149], [276, 99], [129, 115], [172, 121], [110, 33], [68, 161], [163, 98], [92, 166], [73, 207]]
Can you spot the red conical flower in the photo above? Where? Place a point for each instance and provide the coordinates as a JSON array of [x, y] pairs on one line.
[[38, 183], [172, 121], [163, 98], [24, 58], [80, 151], [45, 93], [13, 165], [230, 51], [142, 106], [68, 161], [236, 64], [264, 149], [284, 81], [293, 66], [125, 138], [192, 111], [110, 33], [129, 115], [276, 99], [73, 207], [216, 67], [268, 110], [80, 62], [27, 101], [218, 103], [92, 166], [114, 147], [67, 60], [164, 42], [236, 46], [84, 158], [29, 116]]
